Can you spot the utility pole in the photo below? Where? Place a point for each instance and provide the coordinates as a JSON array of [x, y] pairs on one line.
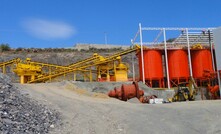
[[105, 38]]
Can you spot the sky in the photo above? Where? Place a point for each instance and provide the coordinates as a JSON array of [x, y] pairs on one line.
[[63, 23]]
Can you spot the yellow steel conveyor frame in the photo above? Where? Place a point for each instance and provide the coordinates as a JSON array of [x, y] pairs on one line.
[[7, 63], [32, 71]]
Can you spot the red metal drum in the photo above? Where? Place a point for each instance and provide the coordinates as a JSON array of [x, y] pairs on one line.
[[126, 92], [201, 60], [178, 65], [153, 67]]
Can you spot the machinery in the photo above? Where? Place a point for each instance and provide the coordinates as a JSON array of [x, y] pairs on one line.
[[3, 65], [212, 84], [214, 92], [185, 91], [105, 66], [108, 68], [112, 71], [26, 71], [128, 91]]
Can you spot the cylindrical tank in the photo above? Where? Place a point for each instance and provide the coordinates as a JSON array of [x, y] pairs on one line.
[[153, 67], [178, 64], [201, 60]]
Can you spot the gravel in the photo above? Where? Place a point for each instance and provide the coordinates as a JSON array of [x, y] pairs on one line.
[[19, 114]]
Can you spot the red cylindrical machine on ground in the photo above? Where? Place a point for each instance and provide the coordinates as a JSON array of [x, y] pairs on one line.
[[153, 67], [178, 66], [201, 60]]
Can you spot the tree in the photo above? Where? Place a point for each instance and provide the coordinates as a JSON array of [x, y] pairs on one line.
[[4, 47]]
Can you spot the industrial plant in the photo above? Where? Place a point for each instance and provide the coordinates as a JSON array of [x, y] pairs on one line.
[[163, 63], [160, 66]]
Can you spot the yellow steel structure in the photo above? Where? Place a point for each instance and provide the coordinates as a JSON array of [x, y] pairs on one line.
[[197, 46], [7, 63], [112, 71], [94, 61], [109, 68], [27, 71]]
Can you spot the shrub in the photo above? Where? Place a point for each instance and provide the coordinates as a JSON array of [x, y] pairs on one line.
[[4, 47]]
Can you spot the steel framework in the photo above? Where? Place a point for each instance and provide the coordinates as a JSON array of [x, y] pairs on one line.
[[188, 37]]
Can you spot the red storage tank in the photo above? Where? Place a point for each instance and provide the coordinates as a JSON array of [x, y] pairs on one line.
[[201, 60], [153, 67], [178, 66]]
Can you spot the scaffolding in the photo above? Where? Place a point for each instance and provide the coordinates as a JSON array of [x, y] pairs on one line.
[[188, 38]]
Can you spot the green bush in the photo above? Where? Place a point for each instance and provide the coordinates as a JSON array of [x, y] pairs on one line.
[[4, 47]]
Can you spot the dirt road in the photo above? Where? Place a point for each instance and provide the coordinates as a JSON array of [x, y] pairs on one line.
[[85, 112]]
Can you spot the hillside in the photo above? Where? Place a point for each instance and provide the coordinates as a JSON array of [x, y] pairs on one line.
[[66, 58]]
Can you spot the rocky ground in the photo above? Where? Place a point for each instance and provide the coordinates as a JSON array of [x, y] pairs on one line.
[[20, 114], [70, 107], [84, 110]]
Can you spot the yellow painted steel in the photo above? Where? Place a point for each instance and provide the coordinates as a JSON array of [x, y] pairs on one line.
[[96, 61], [7, 63], [27, 71], [121, 72], [109, 68], [197, 46]]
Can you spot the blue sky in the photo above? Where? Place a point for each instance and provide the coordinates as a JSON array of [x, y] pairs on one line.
[[62, 23]]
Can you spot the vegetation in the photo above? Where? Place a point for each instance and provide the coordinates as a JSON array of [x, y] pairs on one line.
[[4, 47], [93, 49]]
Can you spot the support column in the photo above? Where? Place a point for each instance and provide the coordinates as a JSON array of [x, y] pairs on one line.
[[132, 56], [32, 77], [166, 60], [22, 79], [108, 75], [189, 54], [74, 76], [211, 50], [141, 49], [64, 76], [84, 76], [98, 74], [90, 75], [50, 74], [219, 82], [4, 69]]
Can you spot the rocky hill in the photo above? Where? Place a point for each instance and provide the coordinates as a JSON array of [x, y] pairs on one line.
[[65, 58]]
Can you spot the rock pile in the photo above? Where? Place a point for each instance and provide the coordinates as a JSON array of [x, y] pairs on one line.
[[20, 114]]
